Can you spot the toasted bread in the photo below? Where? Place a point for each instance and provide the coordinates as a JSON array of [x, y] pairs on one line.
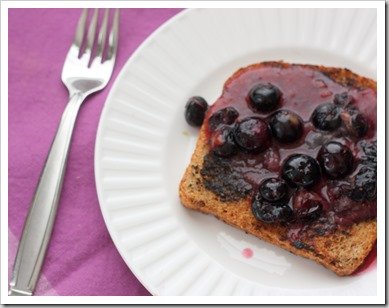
[[342, 251]]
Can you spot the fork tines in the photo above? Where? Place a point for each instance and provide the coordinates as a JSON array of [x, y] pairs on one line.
[[85, 40]]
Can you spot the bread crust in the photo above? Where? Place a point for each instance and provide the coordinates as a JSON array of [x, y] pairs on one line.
[[343, 252]]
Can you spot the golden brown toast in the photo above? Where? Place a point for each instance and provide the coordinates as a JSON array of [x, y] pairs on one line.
[[341, 251]]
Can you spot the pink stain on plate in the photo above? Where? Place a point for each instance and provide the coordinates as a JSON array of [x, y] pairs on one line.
[[247, 253]]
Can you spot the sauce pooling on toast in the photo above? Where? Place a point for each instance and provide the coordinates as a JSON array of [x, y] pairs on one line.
[[239, 161]]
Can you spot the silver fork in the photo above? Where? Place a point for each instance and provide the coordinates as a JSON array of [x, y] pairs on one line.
[[83, 75]]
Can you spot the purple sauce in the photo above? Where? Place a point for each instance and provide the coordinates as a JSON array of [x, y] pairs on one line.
[[303, 89]]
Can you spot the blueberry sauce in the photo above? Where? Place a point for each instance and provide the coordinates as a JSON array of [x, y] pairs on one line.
[[303, 89]]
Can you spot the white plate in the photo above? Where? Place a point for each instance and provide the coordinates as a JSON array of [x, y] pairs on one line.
[[143, 146]]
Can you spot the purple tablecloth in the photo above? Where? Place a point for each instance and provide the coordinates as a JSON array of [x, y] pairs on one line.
[[81, 259]]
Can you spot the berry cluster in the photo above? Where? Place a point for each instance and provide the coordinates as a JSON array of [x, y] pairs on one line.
[[341, 112], [288, 197], [364, 185]]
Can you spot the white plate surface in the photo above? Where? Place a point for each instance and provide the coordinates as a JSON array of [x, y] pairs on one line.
[[144, 144]]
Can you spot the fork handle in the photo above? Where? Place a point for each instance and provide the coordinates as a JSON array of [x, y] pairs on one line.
[[40, 220]]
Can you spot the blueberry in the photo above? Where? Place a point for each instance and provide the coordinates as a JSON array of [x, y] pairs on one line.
[[343, 99], [273, 189], [359, 125], [365, 184], [225, 116], [335, 159], [307, 205], [270, 212], [327, 117], [286, 126], [309, 210], [356, 124], [301, 170], [252, 134], [264, 97], [222, 142], [362, 185], [195, 110]]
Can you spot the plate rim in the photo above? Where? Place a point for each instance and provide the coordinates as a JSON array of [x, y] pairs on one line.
[[107, 102]]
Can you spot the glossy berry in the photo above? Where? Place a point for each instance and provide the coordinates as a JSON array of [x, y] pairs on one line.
[[286, 126], [222, 142], [273, 189], [327, 117], [309, 210], [252, 134], [264, 97], [195, 110], [335, 159], [225, 116], [301, 170], [270, 212]]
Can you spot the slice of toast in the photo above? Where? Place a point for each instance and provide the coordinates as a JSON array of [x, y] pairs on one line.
[[341, 251]]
